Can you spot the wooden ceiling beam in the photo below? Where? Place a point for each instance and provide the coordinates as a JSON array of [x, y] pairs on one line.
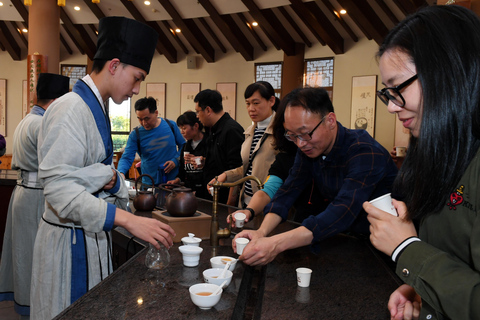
[[9, 42], [74, 33], [255, 35], [410, 6], [190, 31], [95, 9], [320, 23], [269, 22], [364, 15], [73, 38], [387, 11], [340, 20], [175, 36], [295, 26], [164, 46], [65, 44], [230, 30], [212, 34]]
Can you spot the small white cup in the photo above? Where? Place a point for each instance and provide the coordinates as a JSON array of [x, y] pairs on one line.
[[303, 277], [198, 161], [185, 153], [240, 219], [401, 151], [385, 203], [241, 244]]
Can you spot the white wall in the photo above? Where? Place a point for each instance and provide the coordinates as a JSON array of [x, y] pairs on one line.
[[230, 67]]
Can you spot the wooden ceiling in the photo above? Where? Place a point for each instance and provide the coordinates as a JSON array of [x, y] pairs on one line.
[[212, 27]]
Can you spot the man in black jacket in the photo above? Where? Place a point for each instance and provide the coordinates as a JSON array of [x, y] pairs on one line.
[[224, 137]]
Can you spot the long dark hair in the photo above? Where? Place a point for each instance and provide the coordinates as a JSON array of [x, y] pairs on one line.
[[444, 44]]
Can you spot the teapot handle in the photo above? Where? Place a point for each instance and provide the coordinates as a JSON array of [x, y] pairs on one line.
[[139, 179]]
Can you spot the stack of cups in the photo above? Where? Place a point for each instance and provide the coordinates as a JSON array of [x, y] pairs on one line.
[[191, 255]]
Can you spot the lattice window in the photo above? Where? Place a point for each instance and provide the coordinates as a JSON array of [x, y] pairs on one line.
[[270, 72], [319, 73]]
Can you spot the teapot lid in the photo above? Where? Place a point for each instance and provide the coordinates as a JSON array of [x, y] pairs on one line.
[[182, 189]]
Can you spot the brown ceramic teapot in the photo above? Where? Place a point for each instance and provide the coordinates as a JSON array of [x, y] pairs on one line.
[[145, 200], [181, 202]]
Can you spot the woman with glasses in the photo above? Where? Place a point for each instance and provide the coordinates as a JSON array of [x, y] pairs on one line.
[[257, 150], [431, 68]]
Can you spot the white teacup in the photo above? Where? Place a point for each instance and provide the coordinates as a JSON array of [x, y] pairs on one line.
[[240, 219], [385, 203], [241, 244]]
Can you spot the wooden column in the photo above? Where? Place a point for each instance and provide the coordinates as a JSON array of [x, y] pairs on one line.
[[292, 70], [44, 32]]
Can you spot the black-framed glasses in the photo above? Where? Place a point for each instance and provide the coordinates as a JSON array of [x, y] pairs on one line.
[[393, 93], [304, 136]]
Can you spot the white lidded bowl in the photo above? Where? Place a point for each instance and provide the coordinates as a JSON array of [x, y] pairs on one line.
[[191, 255], [211, 276], [204, 302], [191, 240], [221, 261]]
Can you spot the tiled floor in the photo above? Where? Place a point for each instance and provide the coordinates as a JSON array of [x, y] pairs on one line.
[[7, 312]]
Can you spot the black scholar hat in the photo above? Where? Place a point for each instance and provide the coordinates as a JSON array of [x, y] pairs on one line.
[[52, 86], [130, 41]]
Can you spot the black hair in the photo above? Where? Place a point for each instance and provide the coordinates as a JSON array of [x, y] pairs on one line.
[[209, 98], [145, 103], [443, 42], [313, 99], [265, 89], [280, 142], [189, 118], [98, 65]]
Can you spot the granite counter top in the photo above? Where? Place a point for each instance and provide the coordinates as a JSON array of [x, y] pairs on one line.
[[350, 280]]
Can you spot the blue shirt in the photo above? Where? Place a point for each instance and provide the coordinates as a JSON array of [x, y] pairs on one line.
[[356, 170], [158, 146]]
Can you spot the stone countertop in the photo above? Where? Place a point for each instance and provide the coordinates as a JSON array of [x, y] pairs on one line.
[[135, 292], [350, 280]]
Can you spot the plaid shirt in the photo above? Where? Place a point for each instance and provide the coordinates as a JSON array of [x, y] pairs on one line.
[[357, 169]]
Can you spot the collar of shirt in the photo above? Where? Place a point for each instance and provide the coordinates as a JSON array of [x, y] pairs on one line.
[[89, 81]]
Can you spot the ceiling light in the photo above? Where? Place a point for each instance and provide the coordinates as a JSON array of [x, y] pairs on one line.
[[178, 30], [77, 8], [61, 3], [95, 1], [343, 11], [147, 3], [27, 2], [24, 30], [1, 4], [254, 23]]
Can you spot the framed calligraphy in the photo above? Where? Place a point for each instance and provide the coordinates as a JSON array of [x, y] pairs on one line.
[[188, 91], [3, 107], [364, 100], [228, 90], [158, 91]]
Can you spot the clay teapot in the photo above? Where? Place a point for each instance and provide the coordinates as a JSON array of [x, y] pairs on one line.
[[145, 200], [181, 202]]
